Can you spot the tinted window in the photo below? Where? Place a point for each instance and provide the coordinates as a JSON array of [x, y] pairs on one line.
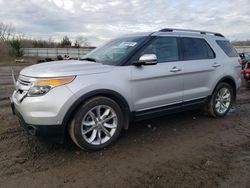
[[165, 48], [195, 48], [227, 47]]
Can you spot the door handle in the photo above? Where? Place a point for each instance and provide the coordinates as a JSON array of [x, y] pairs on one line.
[[216, 65], [175, 69]]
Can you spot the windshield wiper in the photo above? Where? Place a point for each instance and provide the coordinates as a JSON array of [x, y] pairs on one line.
[[89, 59]]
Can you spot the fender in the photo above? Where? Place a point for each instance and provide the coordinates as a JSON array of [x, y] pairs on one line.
[[117, 97]]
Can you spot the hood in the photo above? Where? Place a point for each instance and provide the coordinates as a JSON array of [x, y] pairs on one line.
[[65, 68]]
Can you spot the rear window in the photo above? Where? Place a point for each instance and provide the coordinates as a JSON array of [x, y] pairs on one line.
[[228, 48], [196, 48]]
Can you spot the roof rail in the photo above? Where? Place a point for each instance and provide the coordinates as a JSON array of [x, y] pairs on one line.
[[190, 30]]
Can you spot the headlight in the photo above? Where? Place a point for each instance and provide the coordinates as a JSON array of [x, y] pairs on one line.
[[43, 86]]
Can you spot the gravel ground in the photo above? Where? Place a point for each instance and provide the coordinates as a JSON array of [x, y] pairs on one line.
[[182, 150]]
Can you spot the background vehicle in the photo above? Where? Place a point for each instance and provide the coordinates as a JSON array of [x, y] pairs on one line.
[[130, 78], [245, 58], [246, 74]]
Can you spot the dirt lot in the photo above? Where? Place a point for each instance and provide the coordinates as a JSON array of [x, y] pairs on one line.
[[182, 150]]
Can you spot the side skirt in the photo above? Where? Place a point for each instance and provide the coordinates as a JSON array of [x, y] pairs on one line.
[[161, 111]]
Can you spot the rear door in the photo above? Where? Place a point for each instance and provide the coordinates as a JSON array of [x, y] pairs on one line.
[[200, 66], [161, 84]]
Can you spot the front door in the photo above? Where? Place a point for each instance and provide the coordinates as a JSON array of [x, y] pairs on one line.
[[161, 84]]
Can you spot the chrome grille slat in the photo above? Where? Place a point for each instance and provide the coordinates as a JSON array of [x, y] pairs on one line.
[[23, 82]]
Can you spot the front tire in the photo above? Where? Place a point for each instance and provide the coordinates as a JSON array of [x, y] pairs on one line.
[[96, 124], [221, 100]]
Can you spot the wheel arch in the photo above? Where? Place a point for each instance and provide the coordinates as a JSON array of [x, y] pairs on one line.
[[229, 80], [117, 97]]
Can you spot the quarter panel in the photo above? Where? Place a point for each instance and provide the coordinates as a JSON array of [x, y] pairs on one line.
[[199, 77]]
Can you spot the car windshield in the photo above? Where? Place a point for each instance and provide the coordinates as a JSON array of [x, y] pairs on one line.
[[113, 52]]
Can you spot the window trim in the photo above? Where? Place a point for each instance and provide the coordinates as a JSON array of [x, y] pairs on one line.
[[181, 49]]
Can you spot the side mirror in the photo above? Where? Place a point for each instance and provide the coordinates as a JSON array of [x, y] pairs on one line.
[[146, 59]]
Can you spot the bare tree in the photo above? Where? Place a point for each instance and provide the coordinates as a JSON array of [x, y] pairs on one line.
[[16, 44], [5, 34], [65, 43], [241, 43], [81, 41], [5, 31]]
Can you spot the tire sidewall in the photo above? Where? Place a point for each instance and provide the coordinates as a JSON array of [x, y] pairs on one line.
[[220, 86], [82, 112]]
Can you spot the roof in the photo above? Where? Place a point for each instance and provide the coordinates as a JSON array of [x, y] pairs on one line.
[[174, 32], [191, 31]]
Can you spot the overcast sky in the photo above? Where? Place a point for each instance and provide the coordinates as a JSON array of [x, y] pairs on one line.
[[101, 20]]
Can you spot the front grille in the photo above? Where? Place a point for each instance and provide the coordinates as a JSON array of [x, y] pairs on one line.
[[24, 82], [23, 85]]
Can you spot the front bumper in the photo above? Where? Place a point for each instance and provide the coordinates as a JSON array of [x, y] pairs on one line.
[[43, 116], [48, 109], [52, 133]]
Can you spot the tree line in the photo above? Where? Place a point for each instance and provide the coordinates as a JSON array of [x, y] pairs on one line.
[[12, 42], [241, 43]]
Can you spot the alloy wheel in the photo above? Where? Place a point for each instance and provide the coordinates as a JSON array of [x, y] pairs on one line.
[[99, 124], [223, 100]]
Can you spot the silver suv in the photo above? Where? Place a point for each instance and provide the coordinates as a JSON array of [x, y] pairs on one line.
[[130, 78]]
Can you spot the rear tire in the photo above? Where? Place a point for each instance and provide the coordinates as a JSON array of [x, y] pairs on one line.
[[96, 124], [221, 100]]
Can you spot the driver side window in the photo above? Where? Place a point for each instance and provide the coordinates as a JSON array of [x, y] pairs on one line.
[[165, 48]]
